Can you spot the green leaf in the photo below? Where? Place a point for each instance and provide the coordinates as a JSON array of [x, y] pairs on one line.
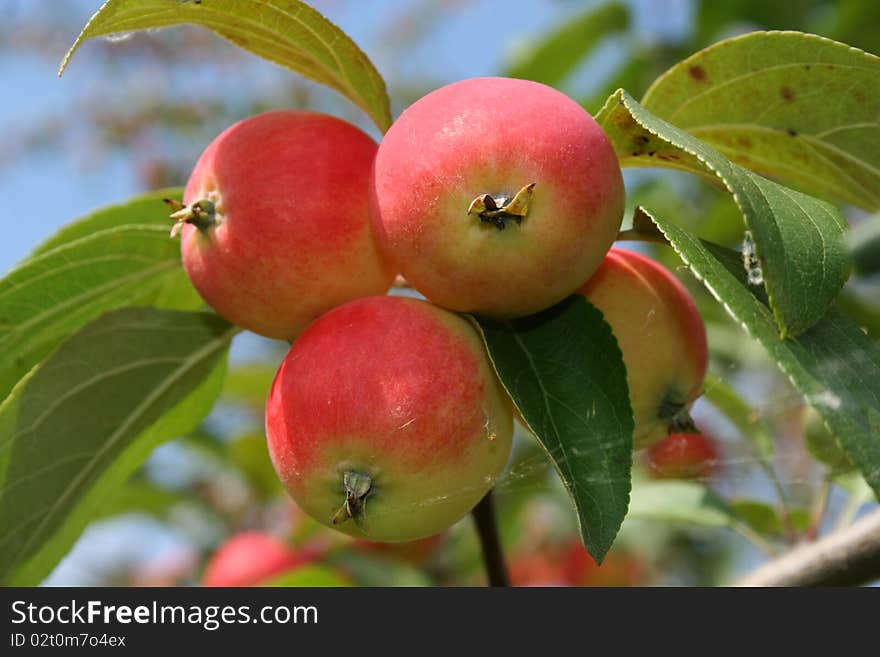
[[740, 413], [679, 502], [760, 516], [82, 421], [287, 32], [554, 57], [798, 240], [309, 576], [794, 106], [120, 256], [146, 209], [834, 365], [138, 497], [565, 373]]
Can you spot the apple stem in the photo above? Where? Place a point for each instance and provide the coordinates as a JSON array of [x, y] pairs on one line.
[[201, 214], [490, 541]]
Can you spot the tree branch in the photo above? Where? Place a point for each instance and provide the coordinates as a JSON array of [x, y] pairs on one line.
[[490, 541], [848, 557]]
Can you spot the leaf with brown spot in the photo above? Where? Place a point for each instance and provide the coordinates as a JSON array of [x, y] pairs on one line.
[[797, 107], [799, 239]]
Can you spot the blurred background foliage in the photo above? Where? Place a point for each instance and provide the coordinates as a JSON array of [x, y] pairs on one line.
[[133, 113]]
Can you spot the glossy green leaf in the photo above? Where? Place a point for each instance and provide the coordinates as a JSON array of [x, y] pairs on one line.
[[88, 269], [82, 421], [679, 502], [552, 58], [798, 241], [565, 373], [287, 32], [794, 106], [833, 365]]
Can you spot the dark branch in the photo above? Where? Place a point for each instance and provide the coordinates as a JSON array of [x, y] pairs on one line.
[[490, 541]]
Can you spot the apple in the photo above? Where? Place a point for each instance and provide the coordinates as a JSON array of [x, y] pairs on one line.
[[275, 222], [662, 338], [686, 455], [250, 558], [496, 196], [386, 419]]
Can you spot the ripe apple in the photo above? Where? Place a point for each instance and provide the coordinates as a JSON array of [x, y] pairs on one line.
[[386, 419], [662, 337], [275, 226], [249, 558], [496, 196], [687, 455]]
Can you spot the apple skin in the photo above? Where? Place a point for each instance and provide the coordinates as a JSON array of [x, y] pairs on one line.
[[495, 136], [661, 335], [683, 456], [400, 391], [249, 558], [292, 237]]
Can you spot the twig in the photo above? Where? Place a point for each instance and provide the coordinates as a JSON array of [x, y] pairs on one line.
[[490, 541], [848, 557]]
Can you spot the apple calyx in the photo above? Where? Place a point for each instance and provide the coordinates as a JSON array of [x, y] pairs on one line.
[[202, 214], [677, 416], [357, 487], [497, 210]]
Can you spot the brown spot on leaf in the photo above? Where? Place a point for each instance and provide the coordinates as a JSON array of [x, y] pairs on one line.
[[745, 142], [787, 94], [668, 156], [698, 73], [792, 132]]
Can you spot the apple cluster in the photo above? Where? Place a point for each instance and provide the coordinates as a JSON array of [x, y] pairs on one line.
[[493, 197]]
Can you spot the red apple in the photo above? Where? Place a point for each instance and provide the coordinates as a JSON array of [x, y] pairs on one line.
[[276, 226], [251, 558], [386, 419], [686, 455], [662, 337], [496, 196]]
